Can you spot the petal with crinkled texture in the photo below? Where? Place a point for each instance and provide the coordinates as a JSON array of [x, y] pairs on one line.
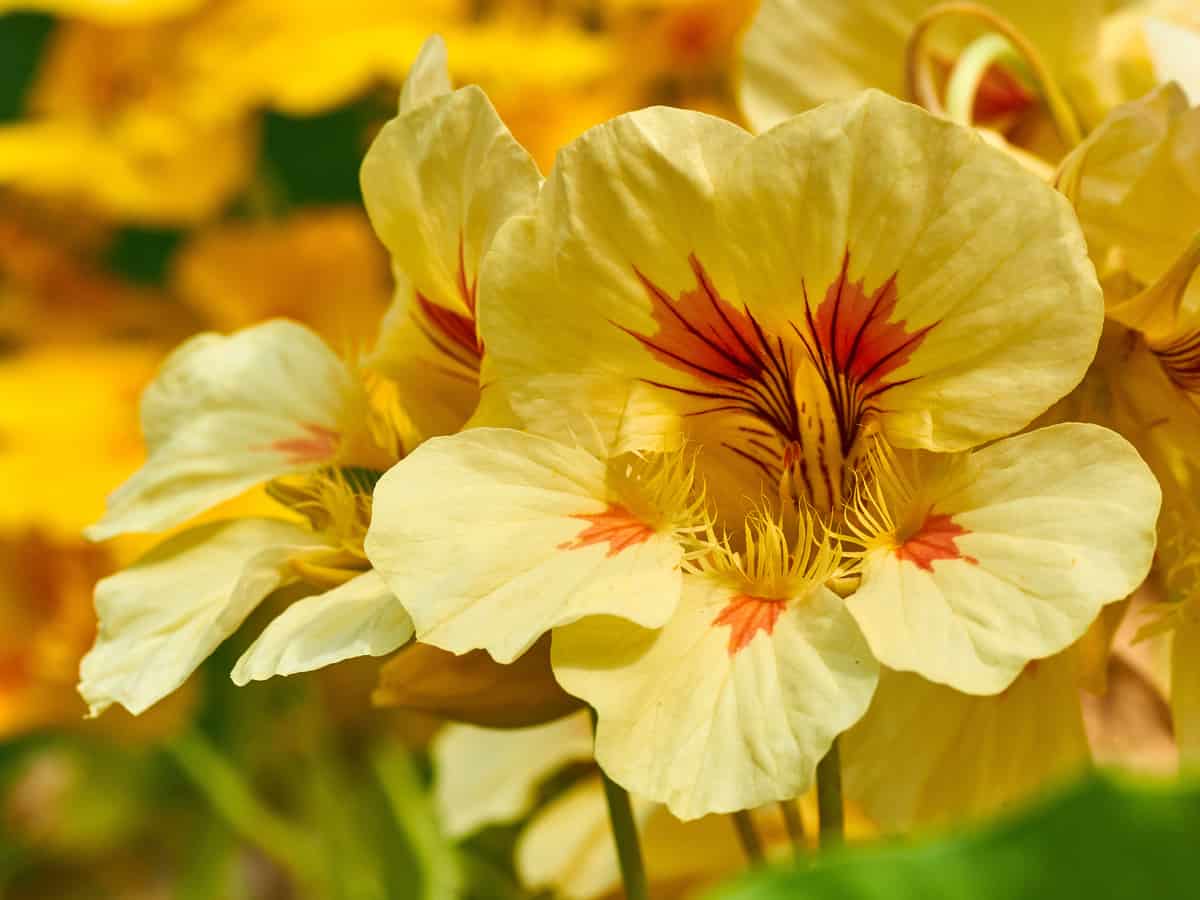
[[226, 413], [719, 711], [359, 618], [963, 756], [995, 311], [798, 54], [161, 617], [947, 285], [490, 776], [634, 195], [493, 537], [429, 76], [438, 182], [1020, 547], [1135, 182]]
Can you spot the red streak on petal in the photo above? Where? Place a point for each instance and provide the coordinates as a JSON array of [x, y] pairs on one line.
[[616, 525], [453, 326], [318, 445], [700, 332], [746, 616], [854, 332], [935, 540]]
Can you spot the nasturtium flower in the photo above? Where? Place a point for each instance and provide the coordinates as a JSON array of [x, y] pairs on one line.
[[438, 182], [1032, 82], [1136, 189], [268, 405], [750, 375]]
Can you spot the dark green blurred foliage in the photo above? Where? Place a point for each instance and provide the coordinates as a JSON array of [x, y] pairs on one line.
[[143, 255], [1103, 839], [315, 159], [22, 36]]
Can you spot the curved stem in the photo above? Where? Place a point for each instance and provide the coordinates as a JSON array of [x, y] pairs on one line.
[[829, 797], [748, 836], [625, 835], [969, 71], [919, 75], [794, 823], [249, 817]]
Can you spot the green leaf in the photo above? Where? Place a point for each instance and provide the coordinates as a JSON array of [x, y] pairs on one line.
[[1104, 837]]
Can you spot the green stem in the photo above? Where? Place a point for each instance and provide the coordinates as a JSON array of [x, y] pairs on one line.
[[794, 824], [746, 833], [242, 810], [625, 835], [829, 797], [441, 866]]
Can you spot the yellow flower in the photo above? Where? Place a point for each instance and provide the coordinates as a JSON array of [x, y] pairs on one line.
[[439, 181], [164, 112], [225, 414], [322, 267], [1003, 65], [57, 401], [1135, 188], [116, 12], [272, 404], [807, 314]]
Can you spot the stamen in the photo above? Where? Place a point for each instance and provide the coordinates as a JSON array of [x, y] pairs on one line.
[[796, 400]]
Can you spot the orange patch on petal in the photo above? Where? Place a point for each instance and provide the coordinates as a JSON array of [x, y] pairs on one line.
[[616, 526], [701, 333], [318, 445], [746, 616], [935, 540], [855, 335]]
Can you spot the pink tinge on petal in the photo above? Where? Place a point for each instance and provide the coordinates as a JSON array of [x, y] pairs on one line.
[[746, 616], [935, 540], [617, 526], [317, 445]]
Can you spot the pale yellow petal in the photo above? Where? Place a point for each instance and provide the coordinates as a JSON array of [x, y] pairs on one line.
[[493, 537], [959, 283], [1175, 52], [634, 195], [490, 776], [161, 617], [439, 181], [228, 412], [359, 618], [711, 715], [429, 76], [568, 846], [798, 54], [925, 754], [1135, 183], [1012, 556]]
